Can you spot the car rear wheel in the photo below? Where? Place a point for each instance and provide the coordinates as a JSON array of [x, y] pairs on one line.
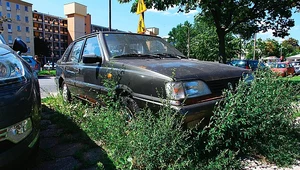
[[65, 92], [130, 108]]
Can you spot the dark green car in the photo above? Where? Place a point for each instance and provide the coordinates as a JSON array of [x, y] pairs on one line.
[[148, 69]]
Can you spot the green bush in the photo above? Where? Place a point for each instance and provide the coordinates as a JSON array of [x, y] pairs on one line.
[[256, 119]]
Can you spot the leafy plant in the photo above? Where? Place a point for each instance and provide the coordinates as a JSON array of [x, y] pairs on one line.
[[256, 119]]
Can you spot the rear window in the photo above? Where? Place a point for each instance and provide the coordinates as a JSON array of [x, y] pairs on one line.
[[239, 63]]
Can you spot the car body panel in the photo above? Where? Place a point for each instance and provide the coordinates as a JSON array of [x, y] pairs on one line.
[[19, 100], [283, 69]]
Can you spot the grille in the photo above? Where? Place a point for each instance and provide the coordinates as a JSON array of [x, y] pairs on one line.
[[218, 86]]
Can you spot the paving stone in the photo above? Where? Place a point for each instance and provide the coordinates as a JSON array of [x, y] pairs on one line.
[[63, 150], [67, 163], [93, 155], [46, 143], [51, 133]]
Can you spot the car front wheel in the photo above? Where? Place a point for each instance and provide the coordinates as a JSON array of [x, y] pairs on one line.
[[130, 108]]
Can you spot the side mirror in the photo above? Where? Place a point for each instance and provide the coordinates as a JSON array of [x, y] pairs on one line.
[[91, 58], [20, 46]]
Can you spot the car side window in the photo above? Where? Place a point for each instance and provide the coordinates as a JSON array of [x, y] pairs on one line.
[[66, 53], [75, 53], [92, 47]]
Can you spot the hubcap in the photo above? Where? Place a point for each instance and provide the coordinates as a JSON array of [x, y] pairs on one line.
[[65, 92]]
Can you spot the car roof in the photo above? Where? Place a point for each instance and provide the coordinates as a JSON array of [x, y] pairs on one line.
[[112, 32]]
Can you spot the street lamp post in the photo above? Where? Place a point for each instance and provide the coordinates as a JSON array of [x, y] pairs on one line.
[[188, 40], [109, 15]]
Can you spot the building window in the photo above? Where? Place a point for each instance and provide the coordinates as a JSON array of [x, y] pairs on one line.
[[26, 8], [18, 18], [27, 39], [9, 28], [26, 19], [0, 2], [10, 39], [7, 6], [0, 13], [27, 29], [28, 49], [18, 28], [17, 7], [8, 15]]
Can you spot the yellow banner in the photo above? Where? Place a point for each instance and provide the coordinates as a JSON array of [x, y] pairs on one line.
[[141, 7], [141, 26]]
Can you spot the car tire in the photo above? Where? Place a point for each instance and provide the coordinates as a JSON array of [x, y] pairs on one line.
[[130, 107], [66, 95]]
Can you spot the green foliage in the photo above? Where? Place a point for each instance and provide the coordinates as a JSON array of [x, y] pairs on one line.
[[47, 73], [257, 119]]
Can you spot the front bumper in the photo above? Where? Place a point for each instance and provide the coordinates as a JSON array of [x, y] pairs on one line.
[[197, 113], [18, 153]]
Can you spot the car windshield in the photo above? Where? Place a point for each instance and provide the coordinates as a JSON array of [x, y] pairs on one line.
[[135, 45], [280, 66]]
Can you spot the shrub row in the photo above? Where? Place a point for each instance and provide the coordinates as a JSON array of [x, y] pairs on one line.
[[254, 120]]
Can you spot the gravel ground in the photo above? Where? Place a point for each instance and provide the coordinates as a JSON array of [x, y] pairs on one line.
[[251, 163]]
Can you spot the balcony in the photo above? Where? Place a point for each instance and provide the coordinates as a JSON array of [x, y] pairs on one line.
[[40, 29], [40, 20], [46, 29], [34, 19], [34, 28]]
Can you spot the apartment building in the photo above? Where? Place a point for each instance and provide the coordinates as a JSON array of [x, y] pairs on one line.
[[52, 29], [20, 25]]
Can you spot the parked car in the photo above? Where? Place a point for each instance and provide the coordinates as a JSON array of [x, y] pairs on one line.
[[144, 65], [20, 107], [247, 64], [296, 65], [35, 65], [283, 69], [48, 66]]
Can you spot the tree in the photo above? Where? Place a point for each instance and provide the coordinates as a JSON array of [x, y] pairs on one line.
[[244, 17], [289, 47], [180, 37]]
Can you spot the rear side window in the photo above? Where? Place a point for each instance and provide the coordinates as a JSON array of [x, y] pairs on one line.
[[92, 47], [75, 53], [66, 53], [253, 63]]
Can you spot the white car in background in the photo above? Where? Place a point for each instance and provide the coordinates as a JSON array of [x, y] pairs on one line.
[[296, 65]]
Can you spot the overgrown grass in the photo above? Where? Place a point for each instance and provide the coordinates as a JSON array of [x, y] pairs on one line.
[[47, 73], [255, 120]]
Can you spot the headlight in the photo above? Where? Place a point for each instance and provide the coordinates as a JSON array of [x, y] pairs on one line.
[[19, 131], [182, 90], [10, 67]]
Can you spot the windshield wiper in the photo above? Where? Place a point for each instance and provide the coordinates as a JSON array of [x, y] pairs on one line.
[[126, 55], [167, 55], [137, 55]]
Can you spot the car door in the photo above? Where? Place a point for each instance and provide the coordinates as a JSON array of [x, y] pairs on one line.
[[290, 69], [71, 66], [88, 78]]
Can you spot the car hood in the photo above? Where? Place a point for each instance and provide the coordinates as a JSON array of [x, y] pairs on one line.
[[187, 69], [279, 69]]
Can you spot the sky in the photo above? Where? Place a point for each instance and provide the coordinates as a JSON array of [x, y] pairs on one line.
[[123, 19]]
